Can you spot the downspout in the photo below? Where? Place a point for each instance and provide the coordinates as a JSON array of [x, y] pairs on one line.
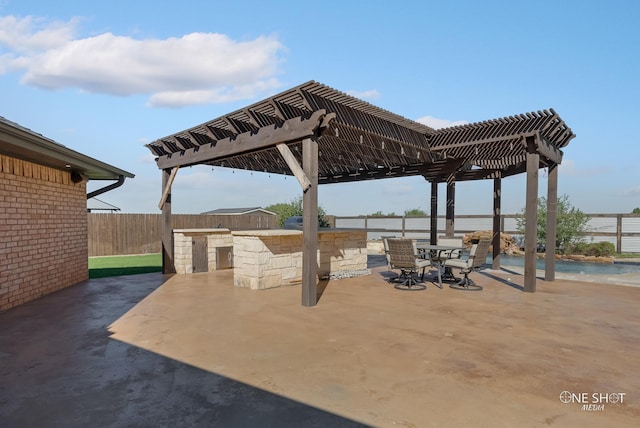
[[115, 185]]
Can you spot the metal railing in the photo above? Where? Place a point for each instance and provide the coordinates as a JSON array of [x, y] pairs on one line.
[[622, 230]]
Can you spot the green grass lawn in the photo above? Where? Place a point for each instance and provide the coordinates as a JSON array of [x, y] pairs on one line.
[[627, 255], [100, 267]]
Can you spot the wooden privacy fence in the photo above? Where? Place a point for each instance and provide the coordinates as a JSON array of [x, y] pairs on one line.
[[622, 230], [120, 234]]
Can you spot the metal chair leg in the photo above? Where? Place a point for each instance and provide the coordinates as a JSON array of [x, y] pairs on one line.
[[466, 284], [409, 283]]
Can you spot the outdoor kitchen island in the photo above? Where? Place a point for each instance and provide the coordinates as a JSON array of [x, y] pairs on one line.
[[273, 258]]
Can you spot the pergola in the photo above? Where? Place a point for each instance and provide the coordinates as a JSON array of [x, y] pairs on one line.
[[321, 135]]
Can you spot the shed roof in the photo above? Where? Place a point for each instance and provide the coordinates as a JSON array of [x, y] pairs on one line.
[[359, 141], [239, 211], [23, 143]]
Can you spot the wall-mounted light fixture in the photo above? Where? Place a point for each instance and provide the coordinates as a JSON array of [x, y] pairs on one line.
[[76, 177]]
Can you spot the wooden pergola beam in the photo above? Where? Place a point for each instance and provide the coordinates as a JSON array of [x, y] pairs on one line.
[[294, 129], [296, 169], [549, 152], [471, 143], [166, 191], [546, 151]]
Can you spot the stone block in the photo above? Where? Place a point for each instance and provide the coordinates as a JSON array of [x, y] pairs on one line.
[[248, 243], [271, 281], [280, 262], [245, 281]]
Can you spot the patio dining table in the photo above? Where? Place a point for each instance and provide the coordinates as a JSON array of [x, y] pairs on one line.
[[438, 254]]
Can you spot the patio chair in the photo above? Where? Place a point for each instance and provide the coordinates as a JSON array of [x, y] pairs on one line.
[[403, 255], [386, 249], [450, 242], [476, 260]]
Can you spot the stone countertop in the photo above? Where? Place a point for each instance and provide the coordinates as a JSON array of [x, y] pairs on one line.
[[288, 232], [209, 231], [266, 232]]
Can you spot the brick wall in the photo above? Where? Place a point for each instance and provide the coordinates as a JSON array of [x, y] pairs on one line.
[[43, 231]]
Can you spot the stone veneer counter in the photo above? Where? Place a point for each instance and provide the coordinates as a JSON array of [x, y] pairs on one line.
[[183, 240], [273, 258]]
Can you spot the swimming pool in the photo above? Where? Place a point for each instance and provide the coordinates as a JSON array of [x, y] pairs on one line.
[[568, 266]]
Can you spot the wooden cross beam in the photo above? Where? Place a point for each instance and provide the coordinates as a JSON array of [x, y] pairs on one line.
[[294, 129], [546, 151]]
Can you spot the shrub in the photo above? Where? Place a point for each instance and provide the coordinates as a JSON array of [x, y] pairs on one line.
[[603, 249], [571, 223], [597, 249], [577, 248]]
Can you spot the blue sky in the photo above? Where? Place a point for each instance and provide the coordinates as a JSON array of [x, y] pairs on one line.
[[104, 78]]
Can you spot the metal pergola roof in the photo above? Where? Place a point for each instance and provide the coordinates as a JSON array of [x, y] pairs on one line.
[[364, 142]]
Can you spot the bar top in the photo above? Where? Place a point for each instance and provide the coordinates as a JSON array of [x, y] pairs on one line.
[[217, 230], [288, 232], [266, 232]]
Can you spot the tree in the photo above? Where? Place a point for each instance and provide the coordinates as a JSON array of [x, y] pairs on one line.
[[571, 223], [293, 208], [635, 211], [416, 212], [379, 214]]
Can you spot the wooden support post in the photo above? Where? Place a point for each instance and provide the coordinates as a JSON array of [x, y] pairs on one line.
[[433, 228], [497, 203], [167, 229], [310, 224], [531, 215], [552, 216], [451, 207]]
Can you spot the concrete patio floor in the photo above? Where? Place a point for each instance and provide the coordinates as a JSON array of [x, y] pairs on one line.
[[192, 350]]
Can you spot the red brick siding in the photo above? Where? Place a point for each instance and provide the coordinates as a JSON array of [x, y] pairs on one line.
[[43, 231]]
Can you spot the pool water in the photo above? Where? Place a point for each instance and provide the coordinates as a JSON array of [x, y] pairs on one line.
[[568, 266]]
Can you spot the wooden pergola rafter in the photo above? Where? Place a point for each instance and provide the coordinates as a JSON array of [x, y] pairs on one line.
[[321, 135]]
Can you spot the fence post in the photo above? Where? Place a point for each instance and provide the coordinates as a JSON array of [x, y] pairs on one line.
[[619, 233]]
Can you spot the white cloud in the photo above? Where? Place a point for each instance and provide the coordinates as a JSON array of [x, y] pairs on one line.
[[371, 94], [31, 35], [149, 158], [569, 168], [631, 191], [221, 94], [196, 68], [436, 123]]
